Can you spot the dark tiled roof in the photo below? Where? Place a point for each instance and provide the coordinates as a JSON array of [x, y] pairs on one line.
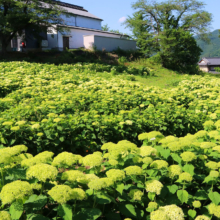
[[71, 6], [210, 61]]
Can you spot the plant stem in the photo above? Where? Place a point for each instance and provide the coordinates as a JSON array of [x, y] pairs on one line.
[[75, 207], [2, 174], [94, 199]]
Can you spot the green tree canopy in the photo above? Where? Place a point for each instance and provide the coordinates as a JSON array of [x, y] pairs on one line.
[[158, 27], [17, 15]]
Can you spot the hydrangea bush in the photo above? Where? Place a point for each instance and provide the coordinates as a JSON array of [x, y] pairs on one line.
[[154, 181], [74, 108]]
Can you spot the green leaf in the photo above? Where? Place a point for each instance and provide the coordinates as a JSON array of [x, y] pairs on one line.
[[16, 209], [36, 217], [176, 158], [173, 188], [165, 153], [215, 197], [35, 203], [88, 214], [189, 168], [65, 212], [128, 210], [120, 188], [192, 213], [111, 216], [201, 195], [183, 195], [102, 199], [151, 196]]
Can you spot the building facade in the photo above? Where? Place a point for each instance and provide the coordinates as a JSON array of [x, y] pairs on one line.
[[80, 25], [208, 64]]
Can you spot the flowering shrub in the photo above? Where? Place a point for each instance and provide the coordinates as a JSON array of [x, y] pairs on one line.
[[71, 108], [154, 181]]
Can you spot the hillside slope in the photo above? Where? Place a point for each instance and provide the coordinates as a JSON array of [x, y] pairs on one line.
[[212, 49]]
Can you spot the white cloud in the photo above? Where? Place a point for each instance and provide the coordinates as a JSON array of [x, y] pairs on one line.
[[122, 19]]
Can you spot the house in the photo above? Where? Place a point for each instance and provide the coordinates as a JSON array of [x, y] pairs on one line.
[[84, 31], [208, 64]]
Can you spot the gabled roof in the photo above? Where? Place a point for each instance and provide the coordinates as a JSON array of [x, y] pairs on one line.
[[209, 61], [76, 10]]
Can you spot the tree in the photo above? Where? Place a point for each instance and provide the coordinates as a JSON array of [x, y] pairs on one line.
[[107, 28], [158, 28], [17, 15]]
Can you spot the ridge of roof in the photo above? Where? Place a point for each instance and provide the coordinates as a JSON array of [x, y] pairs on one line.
[[68, 5]]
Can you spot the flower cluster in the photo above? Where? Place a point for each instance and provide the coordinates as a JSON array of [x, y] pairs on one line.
[[14, 191], [154, 186], [42, 172], [5, 215], [168, 212]]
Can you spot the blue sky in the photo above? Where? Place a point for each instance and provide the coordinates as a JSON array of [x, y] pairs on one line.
[[114, 11]]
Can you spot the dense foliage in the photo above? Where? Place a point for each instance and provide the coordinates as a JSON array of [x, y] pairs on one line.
[[71, 108], [166, 178], [34, 16], [167, 28]]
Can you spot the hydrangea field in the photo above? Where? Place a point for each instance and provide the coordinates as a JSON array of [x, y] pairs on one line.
[[76, 145]]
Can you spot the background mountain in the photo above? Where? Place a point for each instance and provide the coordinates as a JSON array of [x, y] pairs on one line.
[[212, 49]]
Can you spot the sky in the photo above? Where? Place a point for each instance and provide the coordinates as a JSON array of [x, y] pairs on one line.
[[114, 12]]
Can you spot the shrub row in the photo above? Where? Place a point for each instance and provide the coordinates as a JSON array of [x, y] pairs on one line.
[[166, 178]]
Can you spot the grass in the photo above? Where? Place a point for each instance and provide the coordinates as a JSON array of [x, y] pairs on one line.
[[162, 77]]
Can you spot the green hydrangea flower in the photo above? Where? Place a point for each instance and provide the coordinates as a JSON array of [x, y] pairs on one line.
[[202, 217], [152, 205], [185, 177], [214, 210], [145, 151], [213, 134], [136, 194], [113, 162], [133, 170], [61, 194], [101, 183], [79, 194], [168, 140], [154, 186], [73, 175], [188, 156], [44, 157], [147, 160], [175, 146], [36, 186], [5, 215], [65, 159], [159, 215], [92, 160], [214, 174], [42, 172], [201, 134], [159, 164], [14, 191], [197, 204], [174, 170], [217, 148], [115, 174], [167, 213], [206, 145], [212, 165]]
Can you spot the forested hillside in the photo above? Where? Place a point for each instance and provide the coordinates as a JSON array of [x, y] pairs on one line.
[[212, 49]]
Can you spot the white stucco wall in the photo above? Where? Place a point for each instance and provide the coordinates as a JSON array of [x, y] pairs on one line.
[[70, 20], [76, 38], [88, 23], [108, 43]]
